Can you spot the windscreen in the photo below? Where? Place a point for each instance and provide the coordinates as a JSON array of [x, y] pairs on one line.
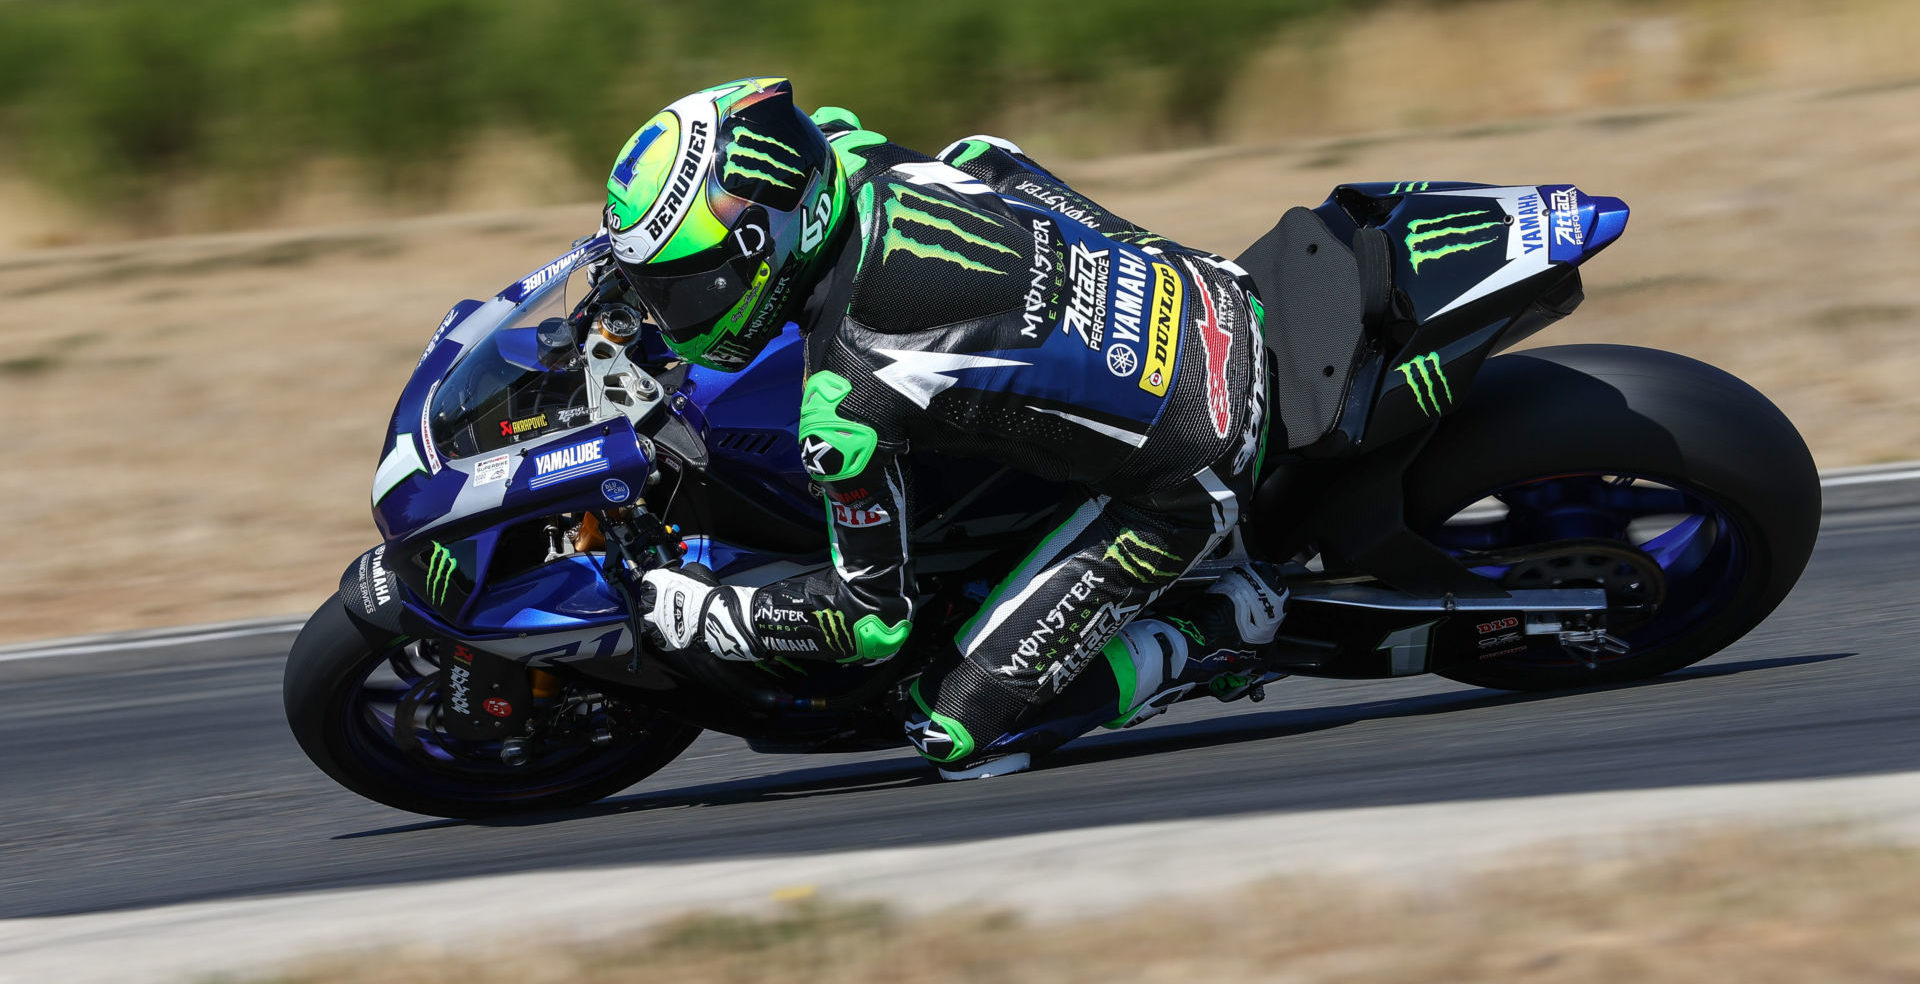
[[499, 394]]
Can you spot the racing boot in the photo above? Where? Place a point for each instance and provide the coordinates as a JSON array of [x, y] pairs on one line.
[[1215, 644], [1003, 746]]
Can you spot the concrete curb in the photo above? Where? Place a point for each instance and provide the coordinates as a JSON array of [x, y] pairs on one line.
[[1075, 873]]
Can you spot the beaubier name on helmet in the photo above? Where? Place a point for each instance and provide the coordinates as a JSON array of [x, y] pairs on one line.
[[684, 180]]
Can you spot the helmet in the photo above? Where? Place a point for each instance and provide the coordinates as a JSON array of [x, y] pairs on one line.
[[721, 210]]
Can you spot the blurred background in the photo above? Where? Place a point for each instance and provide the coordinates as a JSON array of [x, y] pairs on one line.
[[227, 226]]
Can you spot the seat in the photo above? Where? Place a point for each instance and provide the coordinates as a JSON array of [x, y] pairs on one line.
[[1317, 310]]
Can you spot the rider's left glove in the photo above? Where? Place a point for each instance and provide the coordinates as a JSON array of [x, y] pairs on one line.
[[689, 608]]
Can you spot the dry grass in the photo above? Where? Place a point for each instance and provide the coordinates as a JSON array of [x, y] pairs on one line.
[[194, 423], [1482, 65], [1756, 908]]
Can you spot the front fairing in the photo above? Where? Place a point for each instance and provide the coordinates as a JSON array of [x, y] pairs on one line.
[[485, 440], [554, 458]]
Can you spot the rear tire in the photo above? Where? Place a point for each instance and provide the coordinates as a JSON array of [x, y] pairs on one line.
[[328, 663], [1621, 410]]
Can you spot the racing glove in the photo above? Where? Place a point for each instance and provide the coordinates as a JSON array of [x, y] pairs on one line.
[[688, 608]]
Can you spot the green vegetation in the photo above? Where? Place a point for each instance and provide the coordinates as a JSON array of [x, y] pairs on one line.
[[109, 99]]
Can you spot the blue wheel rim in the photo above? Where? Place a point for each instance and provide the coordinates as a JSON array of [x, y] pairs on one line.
[[1699, 547], [441, 765]]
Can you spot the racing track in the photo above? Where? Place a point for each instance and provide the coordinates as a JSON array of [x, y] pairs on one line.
[[146, 775]]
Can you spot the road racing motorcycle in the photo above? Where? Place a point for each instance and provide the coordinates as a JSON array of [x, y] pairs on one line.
[[1554, 518]]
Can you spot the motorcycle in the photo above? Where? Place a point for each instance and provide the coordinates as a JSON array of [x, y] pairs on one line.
[[1553, 518]]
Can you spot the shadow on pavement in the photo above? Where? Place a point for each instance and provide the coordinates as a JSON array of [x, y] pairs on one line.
[[903, 773]]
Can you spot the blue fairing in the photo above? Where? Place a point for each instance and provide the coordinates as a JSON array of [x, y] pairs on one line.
[[568, 593], [749, 418], [1579, 224], [464, 503]]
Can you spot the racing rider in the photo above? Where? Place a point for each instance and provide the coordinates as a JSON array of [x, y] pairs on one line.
[[971, 304]]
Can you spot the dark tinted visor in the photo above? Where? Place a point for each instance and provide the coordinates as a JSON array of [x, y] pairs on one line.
[[686, 306], [686, 296]]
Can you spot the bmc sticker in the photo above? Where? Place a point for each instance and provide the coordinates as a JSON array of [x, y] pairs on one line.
[[857, 518], [570, 462]]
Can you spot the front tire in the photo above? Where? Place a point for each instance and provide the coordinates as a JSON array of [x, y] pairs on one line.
[[325, 689], [1633, 418]]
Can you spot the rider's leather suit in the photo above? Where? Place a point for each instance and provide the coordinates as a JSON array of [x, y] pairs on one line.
[[979, 307]]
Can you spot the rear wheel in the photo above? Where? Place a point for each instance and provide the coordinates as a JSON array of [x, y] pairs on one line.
[[366, 713], [1686, 468]]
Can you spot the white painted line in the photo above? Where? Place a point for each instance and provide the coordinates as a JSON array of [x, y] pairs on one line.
[[1870, 478], [84, 649], [1906, 471]]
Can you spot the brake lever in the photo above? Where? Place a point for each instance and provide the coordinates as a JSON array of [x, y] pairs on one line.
[[624, 541]]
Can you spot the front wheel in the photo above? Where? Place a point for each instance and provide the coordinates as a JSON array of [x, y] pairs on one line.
[[364, 713], [1683, 465]]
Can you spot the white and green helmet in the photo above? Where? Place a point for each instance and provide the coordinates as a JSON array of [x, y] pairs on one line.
[[720, 209]]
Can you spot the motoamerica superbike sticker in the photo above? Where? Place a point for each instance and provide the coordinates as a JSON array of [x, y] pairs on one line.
[[491, 471]]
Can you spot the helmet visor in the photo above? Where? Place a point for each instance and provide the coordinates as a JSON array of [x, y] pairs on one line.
[[687, 306]]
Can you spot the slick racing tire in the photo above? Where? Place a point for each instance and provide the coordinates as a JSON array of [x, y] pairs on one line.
[[1582, 441], [327, 694]]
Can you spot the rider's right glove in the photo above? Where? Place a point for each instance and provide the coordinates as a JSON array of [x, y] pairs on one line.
[[689, 608]]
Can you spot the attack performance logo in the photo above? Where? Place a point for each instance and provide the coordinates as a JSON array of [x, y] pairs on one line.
[[1451, 235], [930, 228], [1086, 314], [759, 157], [1421, 373]]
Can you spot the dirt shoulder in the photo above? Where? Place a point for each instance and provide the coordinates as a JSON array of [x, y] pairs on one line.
[[1756, 907], [196, 421]]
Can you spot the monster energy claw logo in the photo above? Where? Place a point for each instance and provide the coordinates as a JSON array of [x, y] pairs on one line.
[[751, 154], [1431, 239], [440, 565], [907, 215], [833, 630], [1427, 368], [1406, 187], [1142, 559]]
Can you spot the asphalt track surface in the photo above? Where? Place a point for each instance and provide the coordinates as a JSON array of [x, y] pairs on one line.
[[144, 776]]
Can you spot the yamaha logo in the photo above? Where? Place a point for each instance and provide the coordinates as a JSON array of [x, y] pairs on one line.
[[1121, 361]]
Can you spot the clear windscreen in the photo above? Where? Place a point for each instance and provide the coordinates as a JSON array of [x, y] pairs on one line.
[[499, 394]]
